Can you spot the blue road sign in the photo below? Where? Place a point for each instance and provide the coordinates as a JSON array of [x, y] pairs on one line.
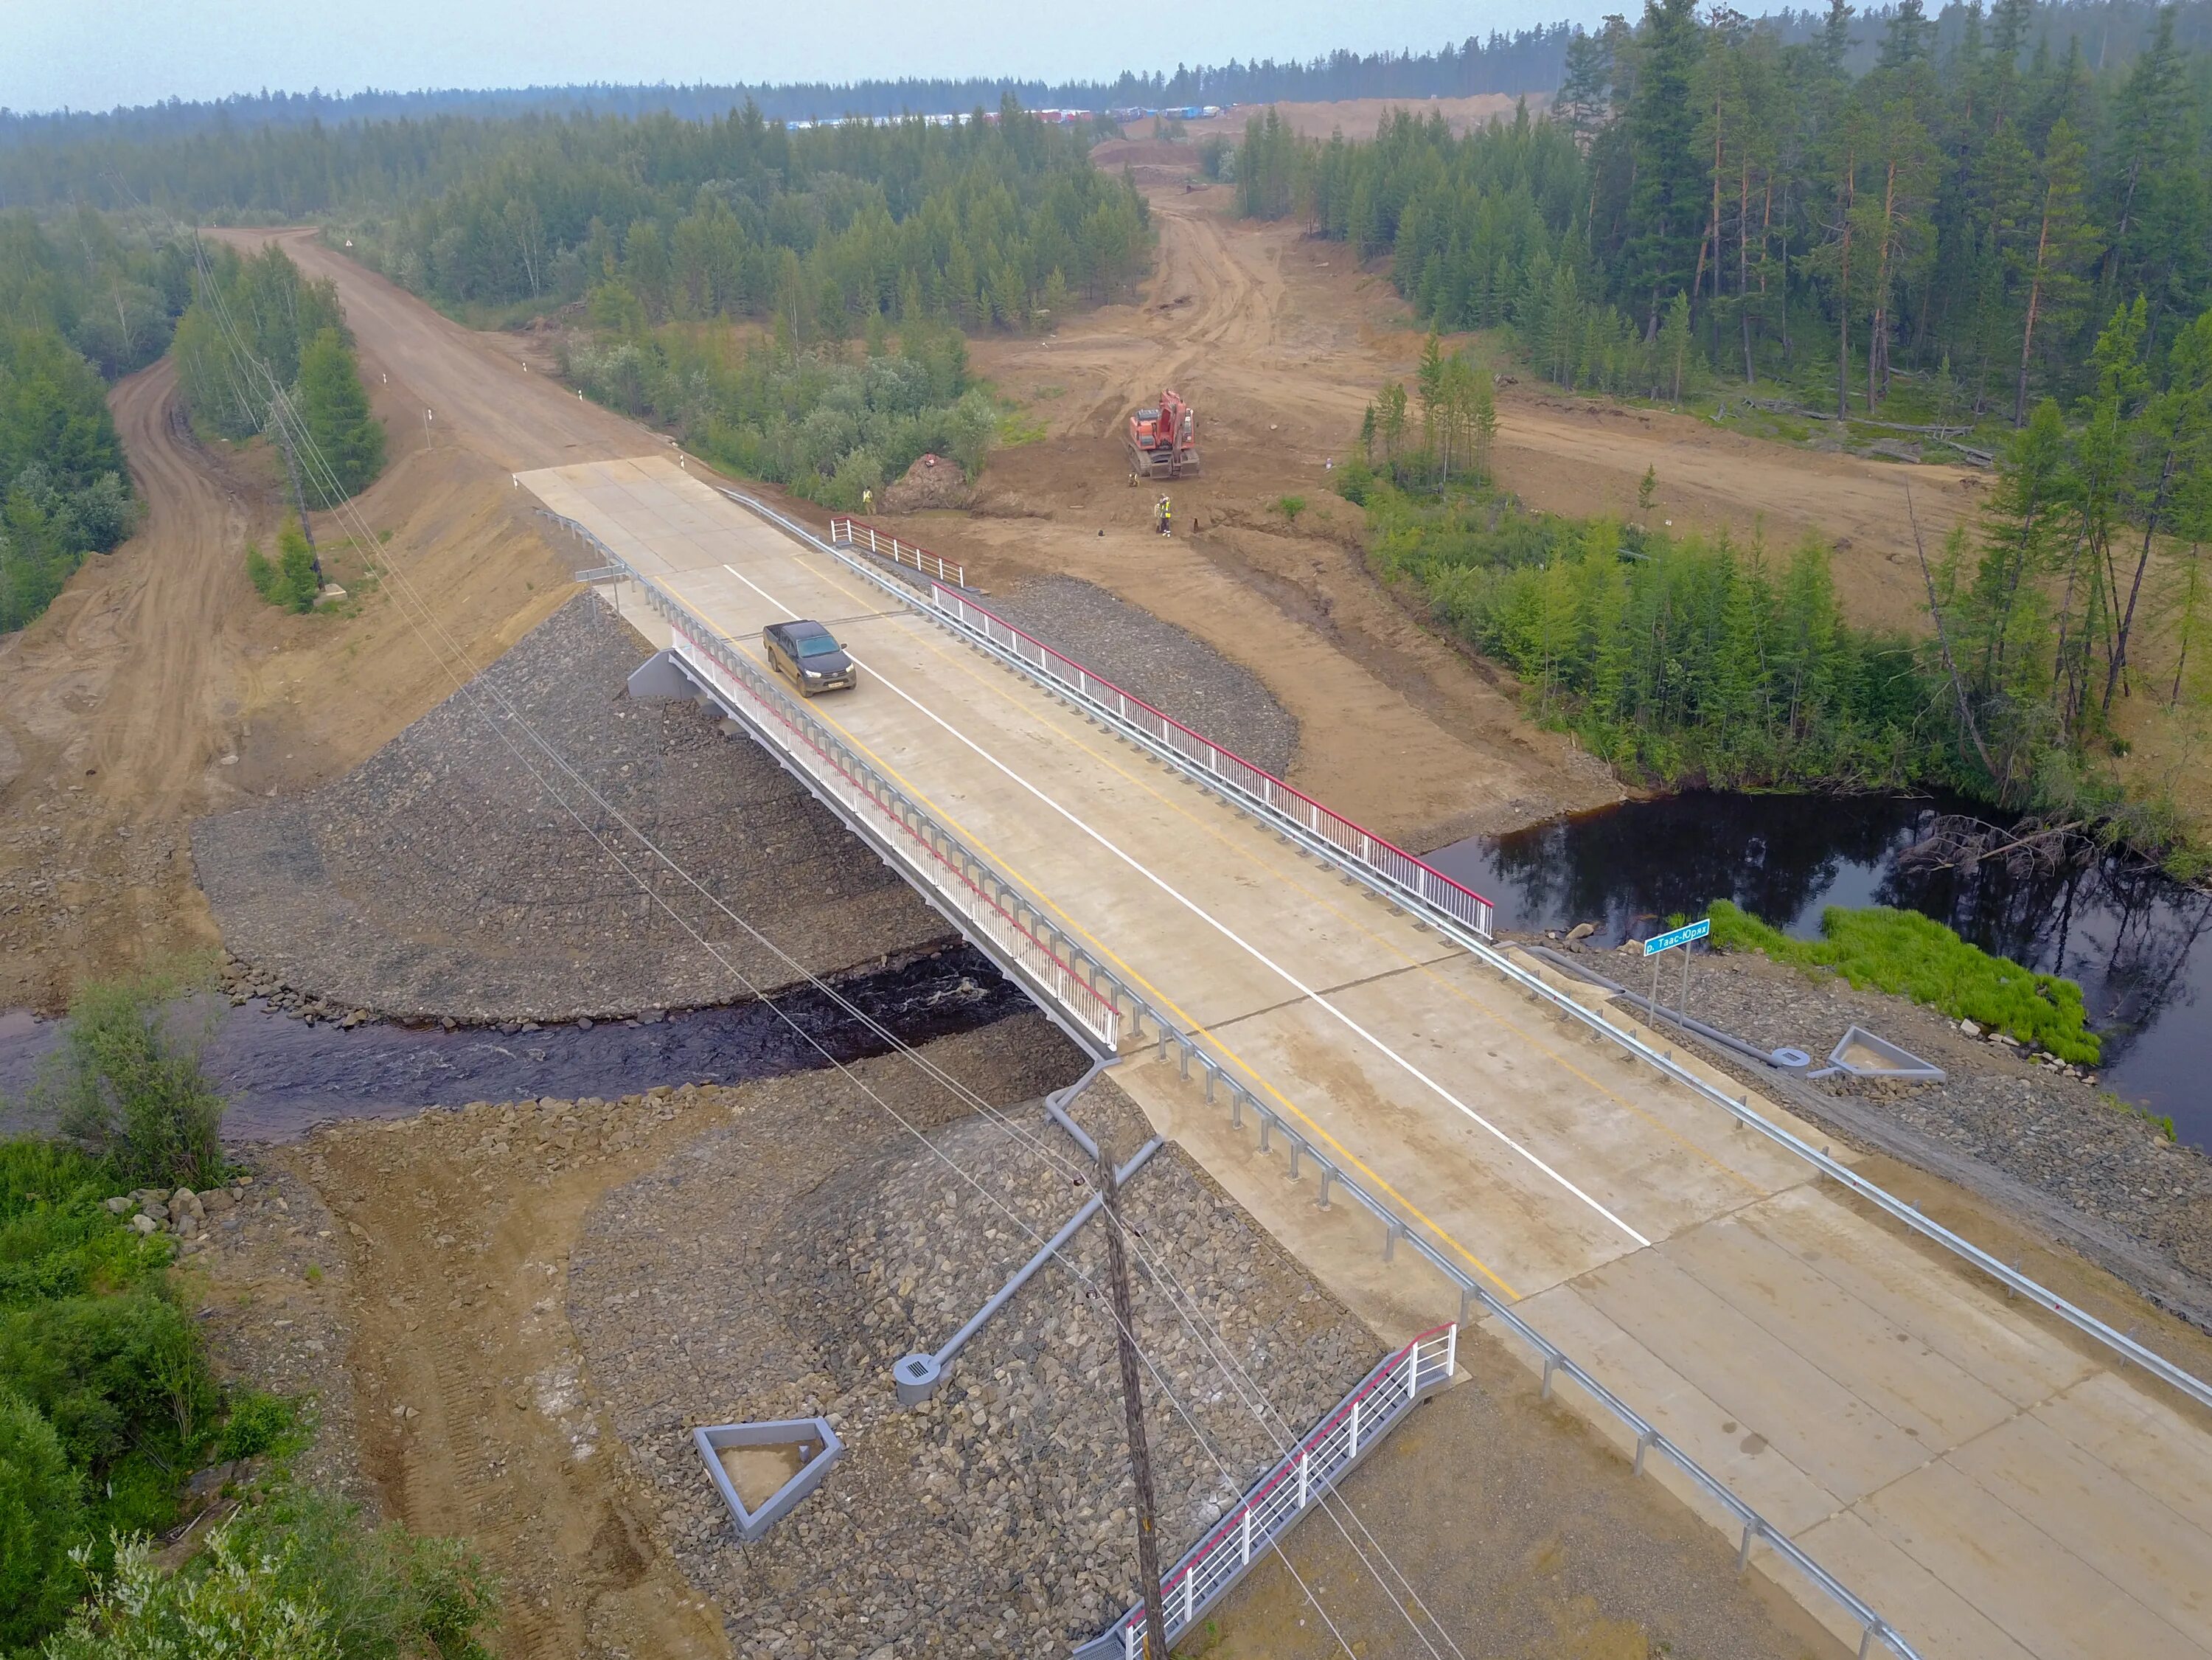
[[1682, 936]]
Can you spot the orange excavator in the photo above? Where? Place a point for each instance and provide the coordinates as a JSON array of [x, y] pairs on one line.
[[1163, 440]]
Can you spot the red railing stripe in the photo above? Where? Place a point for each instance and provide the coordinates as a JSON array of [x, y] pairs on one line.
[[1199, 737]]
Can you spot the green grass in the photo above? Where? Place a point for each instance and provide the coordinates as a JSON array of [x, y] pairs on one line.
[[1905, 953]]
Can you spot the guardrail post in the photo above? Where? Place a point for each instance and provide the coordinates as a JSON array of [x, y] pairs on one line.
[[1267, 1125], [1743, 1550], [1328, 1177], [1466, 1305], [1210, 1074], [1642, 1444], [1866, 1639], [1391, 1230], [1183, 1063], [1236, 1106], [1298, 1147], [1544, 1393]]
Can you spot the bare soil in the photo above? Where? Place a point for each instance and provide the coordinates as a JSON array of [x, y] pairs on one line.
[[159, 687]]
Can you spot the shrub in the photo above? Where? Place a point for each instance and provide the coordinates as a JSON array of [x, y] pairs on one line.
[[256, 1422], [39, 1521], [291, 580], [130, 1091], [295, 1577], [1905, 953]]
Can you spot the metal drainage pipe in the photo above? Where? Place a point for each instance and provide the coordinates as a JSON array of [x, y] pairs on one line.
[[915, 1379], [1660, 1011]]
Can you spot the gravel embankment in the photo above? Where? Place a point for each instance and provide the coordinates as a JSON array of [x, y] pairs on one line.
[[1173, 671], [779, 1267], [2072, 1157], [443, 877]]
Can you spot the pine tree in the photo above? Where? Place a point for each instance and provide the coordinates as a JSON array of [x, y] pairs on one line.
[[335, 408], [2064, 245]]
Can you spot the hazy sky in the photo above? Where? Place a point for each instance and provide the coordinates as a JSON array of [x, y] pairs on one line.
[[91, 54]]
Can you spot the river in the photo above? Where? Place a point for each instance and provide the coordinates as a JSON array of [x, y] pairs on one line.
[[2140, 944], [280, 1075]]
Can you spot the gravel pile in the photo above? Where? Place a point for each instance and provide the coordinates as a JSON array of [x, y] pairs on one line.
[[1174, 672], [750, 1278], [441, 879], [2093, 1162]]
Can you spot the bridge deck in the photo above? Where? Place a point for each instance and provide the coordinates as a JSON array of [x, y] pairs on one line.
[[1988, 1485]]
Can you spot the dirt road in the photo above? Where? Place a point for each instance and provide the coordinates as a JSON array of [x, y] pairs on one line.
[[159, 687], [109, 705], [474, 383], [1282, 340]]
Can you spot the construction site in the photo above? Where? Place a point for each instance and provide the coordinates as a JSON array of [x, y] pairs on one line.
[[1120, 1044]]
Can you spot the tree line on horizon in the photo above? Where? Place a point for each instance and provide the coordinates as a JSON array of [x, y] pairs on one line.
[[740, 217], [1526, 60]]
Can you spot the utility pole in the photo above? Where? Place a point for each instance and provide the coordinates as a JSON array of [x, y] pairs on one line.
[[1132, 1407], [277, 412]]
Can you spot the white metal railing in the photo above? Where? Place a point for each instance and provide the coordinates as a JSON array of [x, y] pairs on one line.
[[1054, 669], [1297, 1482], [1328, 831], [1223, 767], [859, 533], [1464, 917]]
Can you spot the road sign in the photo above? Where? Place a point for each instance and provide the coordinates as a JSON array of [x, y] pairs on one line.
[[1659, 942]]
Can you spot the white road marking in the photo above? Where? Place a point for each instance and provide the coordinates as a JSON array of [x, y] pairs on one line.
[[1226, 933]]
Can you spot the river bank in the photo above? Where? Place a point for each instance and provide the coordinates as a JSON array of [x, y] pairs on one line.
[[283, 1075], [2138, 944]]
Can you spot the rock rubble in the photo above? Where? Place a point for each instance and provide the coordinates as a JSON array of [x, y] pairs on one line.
[[730, 1285]]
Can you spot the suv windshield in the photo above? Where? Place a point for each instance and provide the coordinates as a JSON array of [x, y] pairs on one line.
[[816, 644]]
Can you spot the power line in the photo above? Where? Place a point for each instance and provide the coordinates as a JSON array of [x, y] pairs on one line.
[[328, 485]]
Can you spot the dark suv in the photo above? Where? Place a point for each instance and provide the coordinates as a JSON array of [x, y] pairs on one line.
[[805, 652]]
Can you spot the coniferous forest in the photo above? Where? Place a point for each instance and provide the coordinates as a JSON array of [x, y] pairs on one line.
[[1961, 226]]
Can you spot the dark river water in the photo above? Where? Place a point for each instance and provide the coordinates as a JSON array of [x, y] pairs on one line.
[[2141, 946], [281, 1075]]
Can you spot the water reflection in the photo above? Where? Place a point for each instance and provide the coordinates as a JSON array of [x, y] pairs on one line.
[[2135, 941]]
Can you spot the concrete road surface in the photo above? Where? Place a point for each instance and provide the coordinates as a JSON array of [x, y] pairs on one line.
[[1990, 1487]]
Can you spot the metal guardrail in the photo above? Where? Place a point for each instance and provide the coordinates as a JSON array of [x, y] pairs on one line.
[[1387, 867], [1451, 922], [1199, 755], [859, 533], [1288, 1492]]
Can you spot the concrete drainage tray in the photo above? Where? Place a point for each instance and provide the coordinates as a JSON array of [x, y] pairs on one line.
[[761, 1470], [1860, 1053]]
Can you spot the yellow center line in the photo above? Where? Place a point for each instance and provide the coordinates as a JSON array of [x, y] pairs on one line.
[[952, 822], [1327, 902]]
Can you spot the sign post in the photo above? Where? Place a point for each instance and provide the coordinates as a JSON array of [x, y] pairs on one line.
[[1666, 942]]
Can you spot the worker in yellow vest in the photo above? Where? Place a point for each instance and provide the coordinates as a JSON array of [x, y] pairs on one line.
[[1165, 512]]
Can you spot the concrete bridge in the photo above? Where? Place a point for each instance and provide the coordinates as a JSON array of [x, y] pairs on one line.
[[1979, 1466]]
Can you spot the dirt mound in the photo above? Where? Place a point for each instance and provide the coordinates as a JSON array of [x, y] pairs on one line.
[[931, 481], [443, 878]]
